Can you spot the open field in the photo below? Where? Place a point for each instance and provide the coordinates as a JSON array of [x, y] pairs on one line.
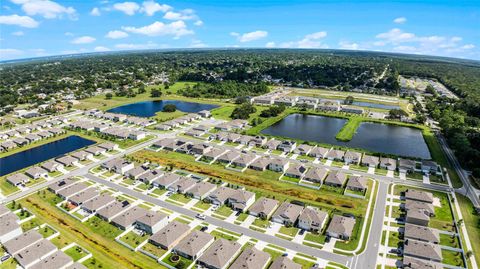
[[471, 220]]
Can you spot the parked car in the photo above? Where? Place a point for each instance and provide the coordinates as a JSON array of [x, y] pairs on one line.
[[302, 231], [238, 213], [200, 216], [204, 228]]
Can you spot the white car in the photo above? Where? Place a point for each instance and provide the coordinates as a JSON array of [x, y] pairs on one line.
[[200, 216]]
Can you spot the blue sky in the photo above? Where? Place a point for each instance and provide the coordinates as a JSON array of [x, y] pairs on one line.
[[32, 28]]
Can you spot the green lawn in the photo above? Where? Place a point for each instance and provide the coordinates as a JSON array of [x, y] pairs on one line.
[[157, 251], [133, 239], [46, 231], [180, 198], [447, 240], [218, 234], [471, 220], [349, 129], [202, 205], [102, 227], [182, 260], [452, 258], [317, 238], [76, 253], [224, 211], [28, 225], [291, 231], [261, 223], [242, 217], [60, 241], [7, 188], [273, 253], [304, 263]]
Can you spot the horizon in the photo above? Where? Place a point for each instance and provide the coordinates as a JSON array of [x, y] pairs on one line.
[[38, 28]]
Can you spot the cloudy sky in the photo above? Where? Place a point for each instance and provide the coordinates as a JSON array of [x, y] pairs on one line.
[[32, 28]]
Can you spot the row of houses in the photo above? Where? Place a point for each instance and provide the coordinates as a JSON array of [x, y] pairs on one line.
[[236, 124], [28, 138], [122, 118], [118, 132], [175, 123], [421, 247], [210, 252], [30, 249], [308, 102], [71, 160], [33, 127]]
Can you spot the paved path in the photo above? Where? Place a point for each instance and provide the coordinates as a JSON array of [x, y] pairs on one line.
[[345, 260]]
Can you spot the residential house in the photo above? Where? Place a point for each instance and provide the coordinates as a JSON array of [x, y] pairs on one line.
[[150, 176], [413, 263], [34, 253], [166, 180], [430, 167], [357, 183], [260, 164], [287, 213], [67, 161], [136, 172], [182, 185], [91, 206], [204, 113], [60, 185], [295, 170], [315, 174], [83, 196], [229, 156], [72, 189], [58, 259], [244, 160], [128, 218], [351, 109], [272, 144], [328, 105], [421, 233], [352, 157], [52, 166], [151, 222], [18, 179], [251, 258], [263, 208], [341, 227], [22, 241], [108, 146], [420, 196], [213, 154], [370, 161], [422, 250], [406, 165], [36, 172], [312, 219], [240, 200], [335, 155], [336, 179], [302, 149], [119, 165], [112, 210], [283, 262], [201, 190], [200, 148], [388, 163], [95, 150], [287, 146], [220, 254], [193, 245], [9, 228], [170, 235], [258, 141], [81, 155], [278, 165]]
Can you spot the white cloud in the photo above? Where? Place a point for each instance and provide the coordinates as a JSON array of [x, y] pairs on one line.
[[23, 21], [396, 36], [251, 36], [116, 34], [400, 20], [46, 8], [198, 44], [83, 40], [95, 12], [270, 45], [8, 54], [313, 40], [101, 49], [151, 7], [128, 8], [68, 34], [198, 23], [468, 46], [18, 33], [149, 45], [184, 15], [348, 45], [176, 29]]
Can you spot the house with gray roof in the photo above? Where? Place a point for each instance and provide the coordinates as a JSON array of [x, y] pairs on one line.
[[79, 198], [220, 254], [287, 213], [284, 263], [260, 164], [119, 165], [420, 196], [370, 161], [34, 253], [60, 185], [336, 179], [150, 176], [258, 141], [318, 152], [421, 233], [430, 167], [413, 263], [241, 199], [341, 227], [302, 149], [109, 146], [295, 170], [315, 174], [52, 166], [200, 148], [69, 191], [229, 156], [136, 172], [95, 150], [194, 244], [201, 190], [251, 258], [56, 260], [263, 208], [244, 160], [335, 155], [9, 227], [182, 185], [151, 222], [127, 218], [18, 179], [112, 210], [170, 235], [278, 165], [213, 154], [388, 163], [312, 219], [416, 205], [166, 180], [287, 145], [97, 203], [22, 241], [357, 183], [32, 138], [406, 165], [272, 144], [422, 250], [67, 160], [36, 172]]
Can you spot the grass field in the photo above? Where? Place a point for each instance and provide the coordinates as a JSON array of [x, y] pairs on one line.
[[471, 220], [349, 129]]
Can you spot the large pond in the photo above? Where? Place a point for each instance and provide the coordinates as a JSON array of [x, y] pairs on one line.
[[149, 108], [42, 153], [375, 137]]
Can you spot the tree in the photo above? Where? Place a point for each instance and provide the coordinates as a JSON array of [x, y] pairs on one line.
[[240, 100], [169, 108], [155, 93], [272, 111], [348, 100], [243, 111], [141, 89], [108, 96]]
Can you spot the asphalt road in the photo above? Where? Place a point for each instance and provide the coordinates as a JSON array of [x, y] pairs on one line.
[[229, 226]]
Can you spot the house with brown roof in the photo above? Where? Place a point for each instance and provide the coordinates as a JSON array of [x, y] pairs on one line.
[[312, 219], [284, 263], [81, 155], [240, 199], [260, 164], [421, 233], [413, 263], [201, 190], [52, 166], [315, 174], [213, 154], [151, 222], [251, 258], [420, 196], [67, 160], [170, 235], [220, 254], [60, 185], [136, 172], [229, 156], [422, 250], [336, 179], [56, 260], [302, 149], [341, 227], [287, 214], [258, 141], [263, 208], [357, 183], [200, 148], [193, 245], [95, 150], [150, 176], [416, 205]]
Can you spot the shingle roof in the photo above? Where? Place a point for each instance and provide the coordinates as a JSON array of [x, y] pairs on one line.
[[220, 253]]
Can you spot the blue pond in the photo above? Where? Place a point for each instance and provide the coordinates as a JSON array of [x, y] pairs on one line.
[[149, 108], [42, 153]]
